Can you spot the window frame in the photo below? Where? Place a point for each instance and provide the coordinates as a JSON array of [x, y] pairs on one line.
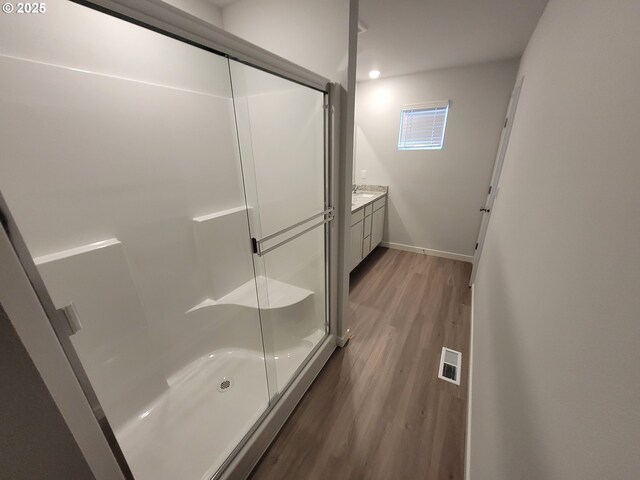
[[405, 112]]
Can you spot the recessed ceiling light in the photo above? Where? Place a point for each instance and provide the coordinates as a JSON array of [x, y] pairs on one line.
[[373, 74]]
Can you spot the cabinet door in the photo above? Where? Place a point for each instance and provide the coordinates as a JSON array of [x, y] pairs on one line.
[[377, 227], [366, 246], [355, 252], [367, 227]]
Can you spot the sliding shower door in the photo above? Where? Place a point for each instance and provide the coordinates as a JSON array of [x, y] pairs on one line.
[[172, 212], [281, 127], [120, 166]]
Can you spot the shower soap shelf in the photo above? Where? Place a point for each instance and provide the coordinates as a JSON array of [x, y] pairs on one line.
[[280, 295]]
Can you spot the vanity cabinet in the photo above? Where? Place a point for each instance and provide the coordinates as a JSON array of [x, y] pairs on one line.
[[355, 255], [367, 226], [377, 226]]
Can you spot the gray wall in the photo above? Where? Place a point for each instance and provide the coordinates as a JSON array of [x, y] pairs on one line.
[[35, 442], [556, 383], [434, 195]]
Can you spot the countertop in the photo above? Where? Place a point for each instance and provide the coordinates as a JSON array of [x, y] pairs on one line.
[[365, 195]]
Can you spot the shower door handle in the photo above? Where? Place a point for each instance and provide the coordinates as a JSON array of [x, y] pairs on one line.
[[257, 244], [71, 314]]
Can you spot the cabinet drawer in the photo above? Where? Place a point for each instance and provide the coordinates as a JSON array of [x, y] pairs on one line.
[[357, 216], [378, 204]]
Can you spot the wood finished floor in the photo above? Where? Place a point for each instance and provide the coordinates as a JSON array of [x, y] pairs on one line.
[[377, 411]]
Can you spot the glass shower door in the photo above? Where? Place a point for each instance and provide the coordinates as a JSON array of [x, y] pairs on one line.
[[124, 179], [281, 129]]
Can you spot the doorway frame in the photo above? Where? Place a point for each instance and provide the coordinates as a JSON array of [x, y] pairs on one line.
[[494, 186]]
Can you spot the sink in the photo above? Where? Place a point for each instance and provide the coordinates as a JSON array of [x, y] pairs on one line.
[[360, 198]]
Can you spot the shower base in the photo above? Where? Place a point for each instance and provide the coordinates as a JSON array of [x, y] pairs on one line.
[[210, 405], [288, 360]]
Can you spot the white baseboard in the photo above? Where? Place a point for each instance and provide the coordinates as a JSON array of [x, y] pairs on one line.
[[467, 440], [428, 251]]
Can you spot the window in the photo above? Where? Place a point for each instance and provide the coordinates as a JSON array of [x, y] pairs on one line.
[[422, 126]]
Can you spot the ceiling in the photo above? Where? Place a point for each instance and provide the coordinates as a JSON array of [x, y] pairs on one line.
[[406, 36]]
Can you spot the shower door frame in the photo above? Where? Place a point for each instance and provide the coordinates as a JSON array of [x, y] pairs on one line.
[[97, 440]]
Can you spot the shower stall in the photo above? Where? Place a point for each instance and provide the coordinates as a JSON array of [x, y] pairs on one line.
[[175, 203]]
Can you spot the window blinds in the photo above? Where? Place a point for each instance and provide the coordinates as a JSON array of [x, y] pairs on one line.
[[422, 126]]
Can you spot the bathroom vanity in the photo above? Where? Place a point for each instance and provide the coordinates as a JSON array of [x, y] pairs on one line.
[[368, 204]]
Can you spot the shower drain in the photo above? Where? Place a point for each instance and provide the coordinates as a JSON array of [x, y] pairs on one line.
[[225, 384]]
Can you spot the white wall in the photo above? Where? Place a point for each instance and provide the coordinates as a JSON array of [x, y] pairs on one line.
[[434, 195], [309, 33], [556, 383]]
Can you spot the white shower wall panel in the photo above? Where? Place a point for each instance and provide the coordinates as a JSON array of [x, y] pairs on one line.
[[222, 242], [90, 157], [109, 46], [113, 341]]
